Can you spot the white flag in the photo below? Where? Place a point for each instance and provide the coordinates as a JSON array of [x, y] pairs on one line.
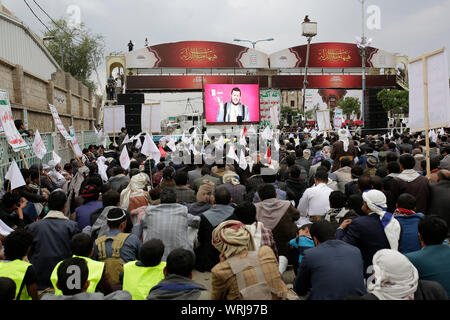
[[242, 140], [38, 146], [267, 133], [205, 137], [55, 156], [15, 176], [102, 168], [95, 129], [138, 143], [126, 140], [99, 134], [297, 142], [276, 145], [150, 149], [124, 158], [171, 145], [219, 143], [242, 162], [136, 137], [231, 154], [105, 139], [194, 134], [185, 139]]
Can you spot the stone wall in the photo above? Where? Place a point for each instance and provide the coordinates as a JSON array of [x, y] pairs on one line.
[[30, 95]]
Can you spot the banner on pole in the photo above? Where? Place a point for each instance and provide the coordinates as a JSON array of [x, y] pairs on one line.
[[270, 107], [59, 123], [438, 92], [13, 136], [114, 118], [155, 117], [38, 146], [338, 119], [76, 145], [323, 120]]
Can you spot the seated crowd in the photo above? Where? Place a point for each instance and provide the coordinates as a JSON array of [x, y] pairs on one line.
[[339, 217]]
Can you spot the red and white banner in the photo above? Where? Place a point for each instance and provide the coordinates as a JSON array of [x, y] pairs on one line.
[[76, 145], [13, 136], [59, 123], [38, 146], [196, 54]]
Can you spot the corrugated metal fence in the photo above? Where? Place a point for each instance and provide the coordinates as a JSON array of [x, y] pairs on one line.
[[52, 141]]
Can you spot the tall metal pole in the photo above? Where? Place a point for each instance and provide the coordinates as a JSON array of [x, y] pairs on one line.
[[363, 40], [305, 77]]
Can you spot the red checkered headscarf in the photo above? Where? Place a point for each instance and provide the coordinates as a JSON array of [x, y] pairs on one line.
[[232, 237]]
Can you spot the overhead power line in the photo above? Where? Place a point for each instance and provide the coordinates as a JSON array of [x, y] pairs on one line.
[[75, 39], [36, 15]]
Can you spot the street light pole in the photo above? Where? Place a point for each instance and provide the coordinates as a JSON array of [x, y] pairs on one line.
[[309, 30], [305, 81], [363, 40], [254, 42]]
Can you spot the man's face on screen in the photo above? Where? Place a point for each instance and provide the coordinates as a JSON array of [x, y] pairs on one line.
[[235, 97]]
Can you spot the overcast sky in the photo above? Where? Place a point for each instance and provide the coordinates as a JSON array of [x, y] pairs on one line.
[[409, 27]]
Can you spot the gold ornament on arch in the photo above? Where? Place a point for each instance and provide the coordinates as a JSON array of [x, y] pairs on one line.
[[197, 54]]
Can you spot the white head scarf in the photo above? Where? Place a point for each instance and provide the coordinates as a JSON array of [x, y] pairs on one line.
[[60, 180], [136, 187], [395, 277], [376, 201], [343, 136], [306, 154]]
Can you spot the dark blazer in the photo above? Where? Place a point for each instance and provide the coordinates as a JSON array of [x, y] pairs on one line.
[[367, 234], [333, 270], [419, 188], [51, 244], [440, 200]]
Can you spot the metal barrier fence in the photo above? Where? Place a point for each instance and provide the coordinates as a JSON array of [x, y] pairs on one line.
[[52, 140]]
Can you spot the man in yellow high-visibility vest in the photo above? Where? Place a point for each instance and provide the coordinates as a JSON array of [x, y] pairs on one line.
[[139, 277], [17, 267], [83, 247]]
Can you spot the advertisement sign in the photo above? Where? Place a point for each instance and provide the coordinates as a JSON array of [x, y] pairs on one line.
[[331, 55], [13, 136], [196, 54], [270, 106], [224, 103], [59, 123]]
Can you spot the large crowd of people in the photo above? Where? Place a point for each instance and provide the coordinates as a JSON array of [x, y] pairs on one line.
[[354, 217]]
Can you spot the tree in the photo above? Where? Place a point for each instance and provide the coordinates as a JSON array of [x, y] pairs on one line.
[[77, 50], [349, 105], [396, 101], [311, 114]]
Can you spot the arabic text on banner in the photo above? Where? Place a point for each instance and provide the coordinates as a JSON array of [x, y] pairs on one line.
[[59, 123], [13, 136]]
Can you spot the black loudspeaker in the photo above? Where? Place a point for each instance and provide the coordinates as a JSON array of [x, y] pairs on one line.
[[130, 98], [133, 118], [289, 119], [239, 120], [375, 117]]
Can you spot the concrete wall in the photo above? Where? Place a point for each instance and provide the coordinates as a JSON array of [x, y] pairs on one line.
[[30, 95]]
